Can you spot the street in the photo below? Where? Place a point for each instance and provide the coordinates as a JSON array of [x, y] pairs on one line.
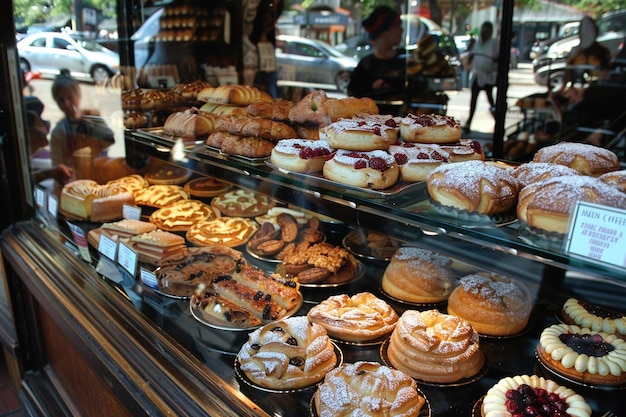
[[521, 84]]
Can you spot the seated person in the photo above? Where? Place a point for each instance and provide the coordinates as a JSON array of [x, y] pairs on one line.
[[74, 132], [38, 130], [593, 59], [381, 75]]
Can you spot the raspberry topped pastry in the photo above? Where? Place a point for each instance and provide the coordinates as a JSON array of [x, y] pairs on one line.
[[512, 396], [430, 128], [362, 133], [583, 355], [375, 169]]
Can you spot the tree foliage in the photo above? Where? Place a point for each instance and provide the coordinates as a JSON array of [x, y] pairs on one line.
[[37, 11]]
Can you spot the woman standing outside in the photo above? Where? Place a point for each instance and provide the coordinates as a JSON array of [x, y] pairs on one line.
[[484, 64]]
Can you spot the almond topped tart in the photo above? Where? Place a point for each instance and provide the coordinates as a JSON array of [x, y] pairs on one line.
[[181, 215], [583, 355], [241, 203], [511, 396], [160, 195], [206, 187]]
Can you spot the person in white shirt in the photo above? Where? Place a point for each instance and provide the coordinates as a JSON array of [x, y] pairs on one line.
[[484, 65]]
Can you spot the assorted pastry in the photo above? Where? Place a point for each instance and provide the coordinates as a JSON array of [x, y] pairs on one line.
[[320, 263], [360, 318], [584, 355], [419, 276], [494, 304], [367, 389], [287, 354], [272, 242], [513, 394], [435, 348]]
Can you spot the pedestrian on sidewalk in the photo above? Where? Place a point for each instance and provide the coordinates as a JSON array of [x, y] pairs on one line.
[[484, 65]]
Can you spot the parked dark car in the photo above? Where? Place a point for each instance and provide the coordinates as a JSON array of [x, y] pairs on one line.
[[549, 67], [49, 52], [312, 63]]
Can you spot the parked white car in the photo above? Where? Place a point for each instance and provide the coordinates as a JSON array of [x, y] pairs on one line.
[[49, 52]]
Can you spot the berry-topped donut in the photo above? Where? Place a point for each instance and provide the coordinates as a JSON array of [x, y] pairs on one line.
[[583, 355], [376, 169], [430, 128], [362, 133], [301, 155], [585, 314], [512, 396], [416, 162]]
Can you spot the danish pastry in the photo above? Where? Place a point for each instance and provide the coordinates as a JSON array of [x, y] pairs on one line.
[[287, 354]]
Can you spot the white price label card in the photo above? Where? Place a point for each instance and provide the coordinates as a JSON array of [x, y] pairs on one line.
[[149, 278], [598, 233], [127, 258], [107, 247], [131, 212], [40, 197], [53, 205]]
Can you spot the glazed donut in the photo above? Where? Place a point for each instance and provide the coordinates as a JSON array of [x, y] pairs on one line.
[[584, 355], [596, 318], [547, 205], [419, 276], [615, 178], [416, 162], [584, 158], [512, 394], [430, 128], [376, 169], [301, 155], [532, 172], [287, 354], [367, 389], [473, 186], [495, 305], [362, 133], [435, 347], [359, 318]]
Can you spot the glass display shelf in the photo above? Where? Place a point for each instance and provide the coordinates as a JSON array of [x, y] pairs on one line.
[[403, 212]]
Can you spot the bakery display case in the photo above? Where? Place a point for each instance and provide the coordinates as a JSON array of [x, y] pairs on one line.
[[150, 334], [97, 337]]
